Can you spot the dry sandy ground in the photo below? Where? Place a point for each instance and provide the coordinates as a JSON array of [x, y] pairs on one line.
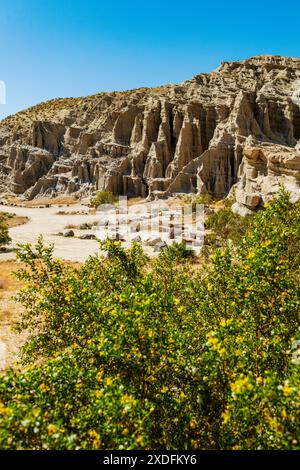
[[10, 311], [46, 222], [10, 341]]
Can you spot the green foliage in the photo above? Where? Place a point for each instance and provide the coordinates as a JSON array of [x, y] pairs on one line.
[[227, 225], [194, 199], [4, 236], [103, 197], [139, 355], [177, 252]]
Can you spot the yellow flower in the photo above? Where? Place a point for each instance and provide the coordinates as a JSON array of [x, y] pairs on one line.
[[226, 416], [284, 414], [287, 390], [222, 352], [225, 322], [99, 375], [96, 438], [127, 398], [44, 388], [240, 385], [52, 429], [213, 342], [3, 410], [259, 380], [109, 381], [193, 423]]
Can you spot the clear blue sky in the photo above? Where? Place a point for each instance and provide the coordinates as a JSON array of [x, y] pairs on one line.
[[59, 48]]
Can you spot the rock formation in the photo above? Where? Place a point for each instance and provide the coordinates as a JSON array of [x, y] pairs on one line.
[[235, 129]]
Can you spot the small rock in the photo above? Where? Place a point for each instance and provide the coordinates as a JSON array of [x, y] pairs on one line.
[[84, 226], [160, 246], [69, 233], [153, 241], [88, 236]]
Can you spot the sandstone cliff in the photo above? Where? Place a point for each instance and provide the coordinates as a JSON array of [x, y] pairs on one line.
[[237, 128]]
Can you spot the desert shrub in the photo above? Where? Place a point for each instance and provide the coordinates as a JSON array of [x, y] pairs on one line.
[[140, 355], [7, 215], [177, 252], [194, 199], [227, 225], [4, 236], [103, 197]]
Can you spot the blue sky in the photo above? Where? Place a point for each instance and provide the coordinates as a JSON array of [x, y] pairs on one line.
[[60, 48]]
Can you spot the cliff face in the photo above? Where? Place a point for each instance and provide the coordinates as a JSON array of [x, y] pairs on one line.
[[236, 127]]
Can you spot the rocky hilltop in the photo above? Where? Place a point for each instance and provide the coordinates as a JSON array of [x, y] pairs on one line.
[[235, 129]]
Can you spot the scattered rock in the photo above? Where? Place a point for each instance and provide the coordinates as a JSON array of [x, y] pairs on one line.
[[153, 241], [69, 233], [137, 239], [87, 236], [160, 246]]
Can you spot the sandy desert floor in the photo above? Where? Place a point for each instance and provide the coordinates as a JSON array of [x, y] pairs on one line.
[[47, 222]]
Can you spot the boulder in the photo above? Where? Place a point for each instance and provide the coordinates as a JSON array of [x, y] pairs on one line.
[[153, 241]]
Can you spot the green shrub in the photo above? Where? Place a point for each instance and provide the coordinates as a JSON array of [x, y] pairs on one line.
[[103, 197], [4, 236], [227, 225], [140, 355], [177, 252]]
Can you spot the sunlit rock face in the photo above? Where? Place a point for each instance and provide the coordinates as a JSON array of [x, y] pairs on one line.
[[234, 130]]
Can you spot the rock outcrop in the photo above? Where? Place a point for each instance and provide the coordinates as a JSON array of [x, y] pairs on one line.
[[235, 129]]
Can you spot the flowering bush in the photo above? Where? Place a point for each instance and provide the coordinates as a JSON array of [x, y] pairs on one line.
[[140, 354], [103, 197]]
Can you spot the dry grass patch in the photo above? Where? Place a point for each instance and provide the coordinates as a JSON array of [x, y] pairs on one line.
[[17, 220], [10, 310], [44, 201]]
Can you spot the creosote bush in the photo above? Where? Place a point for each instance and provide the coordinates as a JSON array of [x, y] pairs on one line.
[[140, 354]]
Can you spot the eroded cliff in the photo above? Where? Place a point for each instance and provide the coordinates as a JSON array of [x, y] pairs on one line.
[[235, 128]]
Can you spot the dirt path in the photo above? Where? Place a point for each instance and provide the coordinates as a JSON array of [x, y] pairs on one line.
[[46, 222]]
